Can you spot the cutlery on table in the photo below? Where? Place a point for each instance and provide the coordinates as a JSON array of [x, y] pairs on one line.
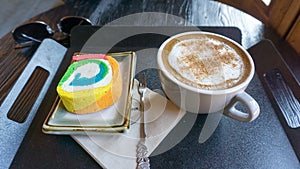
[[143, 161]]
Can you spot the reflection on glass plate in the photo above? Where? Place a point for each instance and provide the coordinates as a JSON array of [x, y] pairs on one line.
[[113, 119]]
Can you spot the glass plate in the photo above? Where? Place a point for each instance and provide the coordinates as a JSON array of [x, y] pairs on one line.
[[115, 118]]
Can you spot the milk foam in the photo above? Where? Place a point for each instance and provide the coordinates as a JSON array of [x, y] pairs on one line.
[[88, 70], [207, 63]]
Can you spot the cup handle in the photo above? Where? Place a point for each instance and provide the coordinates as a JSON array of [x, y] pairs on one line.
[[251, 105]]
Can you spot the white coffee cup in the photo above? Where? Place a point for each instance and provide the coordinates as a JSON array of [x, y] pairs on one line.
[[193, 97]]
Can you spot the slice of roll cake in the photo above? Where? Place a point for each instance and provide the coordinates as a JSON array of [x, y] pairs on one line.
[[91, 83]]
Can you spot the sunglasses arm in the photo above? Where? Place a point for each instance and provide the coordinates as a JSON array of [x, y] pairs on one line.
[[24, 45], [27, 44], [31, 38]]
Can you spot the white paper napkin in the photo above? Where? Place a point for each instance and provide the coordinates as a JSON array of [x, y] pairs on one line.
[[118, 150]]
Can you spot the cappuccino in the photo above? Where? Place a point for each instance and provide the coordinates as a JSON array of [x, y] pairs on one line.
[[206, 62]]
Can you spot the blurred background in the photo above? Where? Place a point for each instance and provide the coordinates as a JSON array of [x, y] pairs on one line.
[[282, 16], [199, 12]]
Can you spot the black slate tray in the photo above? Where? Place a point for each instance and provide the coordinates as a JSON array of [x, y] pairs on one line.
[[39, 150], [51, 151]]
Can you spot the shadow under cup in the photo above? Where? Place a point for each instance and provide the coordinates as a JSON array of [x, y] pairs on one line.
[[197, 99]]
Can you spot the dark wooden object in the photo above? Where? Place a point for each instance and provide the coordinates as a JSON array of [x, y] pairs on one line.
[[23, 104], [284, 97]]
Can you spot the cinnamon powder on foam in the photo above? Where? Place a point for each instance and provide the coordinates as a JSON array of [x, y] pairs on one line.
[[206, 63]]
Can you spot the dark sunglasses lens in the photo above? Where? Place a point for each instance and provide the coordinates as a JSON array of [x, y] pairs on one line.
[[67, 24], [35, 30]]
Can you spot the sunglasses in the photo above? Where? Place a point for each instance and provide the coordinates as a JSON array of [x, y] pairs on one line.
[[35, 32]]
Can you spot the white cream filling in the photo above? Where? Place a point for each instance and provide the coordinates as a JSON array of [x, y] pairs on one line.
[[88, 70]]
